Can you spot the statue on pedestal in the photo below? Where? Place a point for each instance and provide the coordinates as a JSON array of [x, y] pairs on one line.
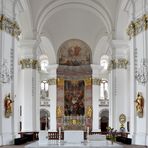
[[139, 104]]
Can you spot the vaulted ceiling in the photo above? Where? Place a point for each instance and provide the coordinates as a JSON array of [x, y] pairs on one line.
[[61, 20]]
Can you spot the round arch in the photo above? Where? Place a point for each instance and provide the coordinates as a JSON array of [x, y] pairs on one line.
[[104, 44], [74, 48], [44, 119], [105, 110], [56, 6], [104, 119], [46, 48]]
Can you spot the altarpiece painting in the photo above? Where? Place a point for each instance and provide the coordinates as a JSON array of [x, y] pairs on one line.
[[74, 86]]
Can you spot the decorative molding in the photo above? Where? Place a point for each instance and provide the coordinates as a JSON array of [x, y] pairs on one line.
[[137, 26], [104, 102], [44, 102], [29, 63], [96, 81], [9, 26], [118, 64], [52, 81]]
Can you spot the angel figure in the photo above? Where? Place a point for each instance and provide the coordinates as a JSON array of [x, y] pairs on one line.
[[89, 112]]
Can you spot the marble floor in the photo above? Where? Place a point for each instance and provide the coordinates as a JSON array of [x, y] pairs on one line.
[[62, 144]]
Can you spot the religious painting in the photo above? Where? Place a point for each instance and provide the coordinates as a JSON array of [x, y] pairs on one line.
[[74, 98], [74, 52]]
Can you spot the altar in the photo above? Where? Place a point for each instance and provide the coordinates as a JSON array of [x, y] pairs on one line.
[[71, 136]]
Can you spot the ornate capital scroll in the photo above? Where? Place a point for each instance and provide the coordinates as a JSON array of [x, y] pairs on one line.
[[137, 26], [96, 81], [29, 63], [52, 81], [9, 26], [118, 64]]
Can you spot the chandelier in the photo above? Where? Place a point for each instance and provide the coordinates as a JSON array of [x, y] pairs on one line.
[[142, 72], [4, 73]]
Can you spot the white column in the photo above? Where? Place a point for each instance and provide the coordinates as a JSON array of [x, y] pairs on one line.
[[119, 93], [53, 96], [112, 98], [146, 88], [95, 96], [28, 71], [8, 43]]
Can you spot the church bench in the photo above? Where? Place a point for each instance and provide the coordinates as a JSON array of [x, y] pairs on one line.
[[19, 141], [124, 140]]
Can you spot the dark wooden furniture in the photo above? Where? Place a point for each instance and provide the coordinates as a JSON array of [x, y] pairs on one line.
[[31, 136], [19, 141], [124, 140], [55, 135]]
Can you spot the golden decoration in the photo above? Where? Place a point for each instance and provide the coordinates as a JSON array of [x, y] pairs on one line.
[[96, 81], [59, 111], [122, 119], [89, 112], [9, 26], [118, 63], [29, 63], [139, 102], [60, 81], [88, 81], [8, 106], [52, 81], [137, 26]]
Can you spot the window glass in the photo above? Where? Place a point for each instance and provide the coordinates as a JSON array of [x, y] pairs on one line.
[[104, 89]]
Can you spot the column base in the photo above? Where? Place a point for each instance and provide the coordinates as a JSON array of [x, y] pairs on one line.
[[1, 140], [6, 139], [141, 139], [96, 130]]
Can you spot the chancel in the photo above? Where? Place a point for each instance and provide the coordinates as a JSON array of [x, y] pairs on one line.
[[73, 73]]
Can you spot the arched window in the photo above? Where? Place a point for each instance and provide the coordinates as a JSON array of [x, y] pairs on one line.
[[104, 89], [44, 89], [104, 61], [43, 63]]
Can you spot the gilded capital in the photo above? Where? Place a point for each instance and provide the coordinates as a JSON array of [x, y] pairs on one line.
[[118, 64], [137, 26], [52, 81], [96, 81], [9, 26], [29, 63]]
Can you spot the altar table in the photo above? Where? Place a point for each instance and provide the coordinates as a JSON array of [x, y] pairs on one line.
[[71, 136]]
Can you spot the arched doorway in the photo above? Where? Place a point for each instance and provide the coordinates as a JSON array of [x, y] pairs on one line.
[[104, 119], [44, 119]]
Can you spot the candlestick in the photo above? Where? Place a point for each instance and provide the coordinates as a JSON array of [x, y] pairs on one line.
[[88, 134], [59, 134]]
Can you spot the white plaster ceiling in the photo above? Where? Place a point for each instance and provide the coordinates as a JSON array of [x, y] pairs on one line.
[[61, 20]]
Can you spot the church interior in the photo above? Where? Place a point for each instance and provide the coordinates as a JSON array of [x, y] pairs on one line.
[[74, 72]]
